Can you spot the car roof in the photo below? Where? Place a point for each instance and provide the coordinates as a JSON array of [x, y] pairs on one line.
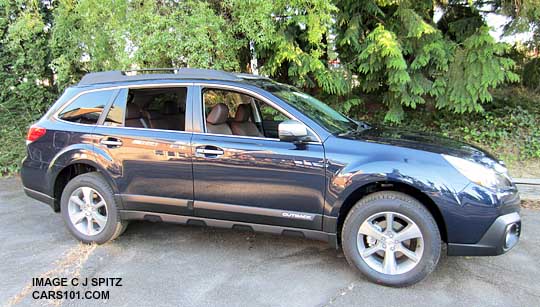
[[163, 73]]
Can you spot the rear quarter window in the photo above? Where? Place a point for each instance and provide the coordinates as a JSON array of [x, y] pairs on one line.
[[87, 108]]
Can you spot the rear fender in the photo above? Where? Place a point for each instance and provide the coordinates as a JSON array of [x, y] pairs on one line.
[[77, 154]]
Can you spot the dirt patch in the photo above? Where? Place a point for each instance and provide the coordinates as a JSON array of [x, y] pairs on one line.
[[530, 204], [69, 266], [524, 169]]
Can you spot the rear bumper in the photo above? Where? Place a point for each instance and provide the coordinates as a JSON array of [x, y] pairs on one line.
[[41, 197], [501, 236]]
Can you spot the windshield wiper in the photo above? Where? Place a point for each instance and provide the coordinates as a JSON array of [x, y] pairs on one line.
[[362, 125]]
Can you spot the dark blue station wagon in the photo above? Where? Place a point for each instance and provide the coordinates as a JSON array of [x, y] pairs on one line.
[[230, 150]]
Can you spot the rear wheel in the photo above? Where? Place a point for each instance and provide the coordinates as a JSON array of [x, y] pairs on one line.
[[89, 209], [391, 238]]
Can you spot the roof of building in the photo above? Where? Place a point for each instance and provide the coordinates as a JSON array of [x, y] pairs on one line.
[[163, 73]]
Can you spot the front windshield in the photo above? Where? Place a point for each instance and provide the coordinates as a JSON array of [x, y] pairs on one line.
[[313, 108]]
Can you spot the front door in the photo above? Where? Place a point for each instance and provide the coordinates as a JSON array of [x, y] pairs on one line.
[[150, 155], [243, 172]]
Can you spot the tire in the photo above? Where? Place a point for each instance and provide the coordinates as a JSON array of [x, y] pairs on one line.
[[375, 209], [74, 209]]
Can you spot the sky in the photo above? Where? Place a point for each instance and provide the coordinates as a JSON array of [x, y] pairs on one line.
[[496, 22]]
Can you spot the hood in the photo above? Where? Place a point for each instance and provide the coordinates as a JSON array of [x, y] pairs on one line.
[[422, 141]]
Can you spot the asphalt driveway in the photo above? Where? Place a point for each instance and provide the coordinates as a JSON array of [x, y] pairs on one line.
[[172, 265]]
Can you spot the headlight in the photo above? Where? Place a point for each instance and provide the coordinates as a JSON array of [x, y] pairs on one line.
[[495, 177]]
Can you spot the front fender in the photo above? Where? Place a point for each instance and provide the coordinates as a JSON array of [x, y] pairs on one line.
[[424, 175]]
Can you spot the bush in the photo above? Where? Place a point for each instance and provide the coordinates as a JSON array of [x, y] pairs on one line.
[[509, 127], [531, 75], [390, 50]]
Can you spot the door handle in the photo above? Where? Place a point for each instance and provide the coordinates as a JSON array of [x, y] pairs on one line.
[[208, 152], [111, 142]]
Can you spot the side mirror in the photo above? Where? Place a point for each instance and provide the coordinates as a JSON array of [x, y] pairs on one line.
[[292, 131]]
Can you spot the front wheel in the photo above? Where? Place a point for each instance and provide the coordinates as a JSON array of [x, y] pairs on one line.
[[391, 238], [89, 209]]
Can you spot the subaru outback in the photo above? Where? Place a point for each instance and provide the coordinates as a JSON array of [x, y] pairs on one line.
[[211, 148]]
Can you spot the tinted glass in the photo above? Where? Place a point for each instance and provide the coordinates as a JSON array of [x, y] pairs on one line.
[[87, 108], [232, 99], [263, 120], [154, 108], [269, 113], [115, 117], [313, 108]]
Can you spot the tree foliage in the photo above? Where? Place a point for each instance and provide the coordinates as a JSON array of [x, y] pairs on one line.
[[396, 49], [523, 16], [24, 76], [339, 50]]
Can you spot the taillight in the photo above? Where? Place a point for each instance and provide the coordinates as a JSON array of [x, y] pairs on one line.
[[34, 133]]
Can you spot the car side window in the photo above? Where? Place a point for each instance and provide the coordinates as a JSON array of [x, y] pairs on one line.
[[233, 113], [87, 108], [270, 119], [115, 116], [212, 97], [152, 108], [269, 113]]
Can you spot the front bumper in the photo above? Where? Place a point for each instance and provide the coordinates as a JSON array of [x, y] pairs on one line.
[[501, 236]]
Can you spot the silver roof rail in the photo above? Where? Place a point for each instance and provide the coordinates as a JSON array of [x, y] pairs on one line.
[[162, 73]]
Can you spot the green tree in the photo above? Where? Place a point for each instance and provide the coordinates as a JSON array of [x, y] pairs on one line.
[[396, 49], [87, 35], [25, 76], [523, 16], [179, 34], [391, 50]]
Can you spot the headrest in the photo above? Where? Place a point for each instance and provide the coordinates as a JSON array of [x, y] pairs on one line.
[[169, 107], [243, 113], [152, 115], [133, 111], [218, 115]]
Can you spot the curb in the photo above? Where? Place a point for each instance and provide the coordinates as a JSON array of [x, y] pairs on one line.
[[529, 188], [529, 181]]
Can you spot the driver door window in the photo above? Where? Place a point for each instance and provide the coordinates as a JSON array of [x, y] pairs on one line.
[[233, 113], [270, 118]]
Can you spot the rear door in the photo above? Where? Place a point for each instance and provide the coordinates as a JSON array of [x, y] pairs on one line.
[[151, 163]]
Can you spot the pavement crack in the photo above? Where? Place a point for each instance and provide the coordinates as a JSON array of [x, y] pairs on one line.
[[341, 292], [499, 283], [69, 265]]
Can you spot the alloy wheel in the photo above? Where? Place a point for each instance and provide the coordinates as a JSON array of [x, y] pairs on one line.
[[87, 211], [390, 243]]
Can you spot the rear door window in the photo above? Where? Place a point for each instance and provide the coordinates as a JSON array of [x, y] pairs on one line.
[[161, 108], [115, 117], [87, 108]]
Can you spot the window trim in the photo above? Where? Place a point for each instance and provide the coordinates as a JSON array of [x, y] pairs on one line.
[[108, 108], [197, 87], [108, 105], [253, 94], [114, 93]]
